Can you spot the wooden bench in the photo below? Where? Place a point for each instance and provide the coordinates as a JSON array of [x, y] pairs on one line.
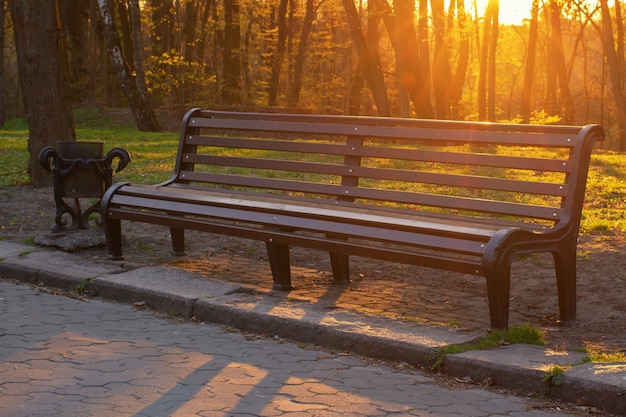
[[457, 196]]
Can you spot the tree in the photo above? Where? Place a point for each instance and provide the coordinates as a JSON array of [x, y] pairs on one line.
[[411, 47], [557, 68], [74, 18], [42, 62], [448, 85], [161, 25], [231, 58], [531, 54], [279, 53], [421, 69], [458, 78], [135, 28], [487, 72], [2, 113], [368, 60], [298, 68], [616, 65], [441, 63], [141, 109]]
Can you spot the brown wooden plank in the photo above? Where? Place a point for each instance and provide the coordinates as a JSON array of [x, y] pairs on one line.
[[330, 225], [463, 181], [509, 136], [398, 153], [401, 197], [178, 192], [276, 205], [389, 121]]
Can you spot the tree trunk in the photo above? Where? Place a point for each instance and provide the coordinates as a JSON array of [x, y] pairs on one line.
[[557, 65], [135, 27], [529, 74], [493, 46], [75, 19], [144, 116], [189, 32], [294, 92], [2, 113], [279, 53], [487, 70], [369, 62], [127, 44], [613, 61], [458, 78], [161, 26], [421, 70], [412, 68], [231, 73], [42, 63], [441, 64], [482, 66]]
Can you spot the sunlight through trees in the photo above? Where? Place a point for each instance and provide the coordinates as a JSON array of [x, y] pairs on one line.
[[538, 61]]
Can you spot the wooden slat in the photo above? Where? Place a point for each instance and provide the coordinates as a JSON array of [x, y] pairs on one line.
[[512, 137], [311, 205], [401, 197], [335, 226], [464, 181], [467, 159], [390, 121], [276, 204], [398, 153]]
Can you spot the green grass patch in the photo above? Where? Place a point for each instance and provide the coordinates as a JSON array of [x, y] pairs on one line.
[[599, 357], [596, 357], [14, 153], [153, 154], [525, 334]]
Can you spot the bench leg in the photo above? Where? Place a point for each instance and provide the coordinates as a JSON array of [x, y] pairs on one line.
[[498, 293], [340, 264], [113, 233], [178, 241], [565, 264], [279, 263]]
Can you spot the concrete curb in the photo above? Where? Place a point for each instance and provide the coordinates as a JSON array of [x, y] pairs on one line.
[[186, 295]]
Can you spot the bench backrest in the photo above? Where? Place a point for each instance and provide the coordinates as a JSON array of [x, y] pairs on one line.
[[534, 175]]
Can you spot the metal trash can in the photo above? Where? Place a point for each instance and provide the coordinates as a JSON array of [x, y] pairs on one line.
[[80, 170]]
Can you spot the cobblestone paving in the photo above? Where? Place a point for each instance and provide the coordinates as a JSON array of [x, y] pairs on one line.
[[66, 357]]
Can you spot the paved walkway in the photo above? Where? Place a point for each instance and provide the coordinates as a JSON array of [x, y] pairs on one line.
[[66, 357], [57, 350]]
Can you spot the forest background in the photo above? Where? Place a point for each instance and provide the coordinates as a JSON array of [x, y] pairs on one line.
[[450, 59]]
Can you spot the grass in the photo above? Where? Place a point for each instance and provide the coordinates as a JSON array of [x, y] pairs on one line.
[[526, 334], [599, 357], [605, 203], [555, 375], [152, 153]]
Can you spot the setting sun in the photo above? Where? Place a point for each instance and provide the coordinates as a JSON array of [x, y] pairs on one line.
[[511, 13]]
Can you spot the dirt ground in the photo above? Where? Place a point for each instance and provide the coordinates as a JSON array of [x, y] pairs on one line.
[[382, 288]]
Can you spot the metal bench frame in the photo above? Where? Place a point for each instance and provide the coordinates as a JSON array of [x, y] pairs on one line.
[[383, 188]]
